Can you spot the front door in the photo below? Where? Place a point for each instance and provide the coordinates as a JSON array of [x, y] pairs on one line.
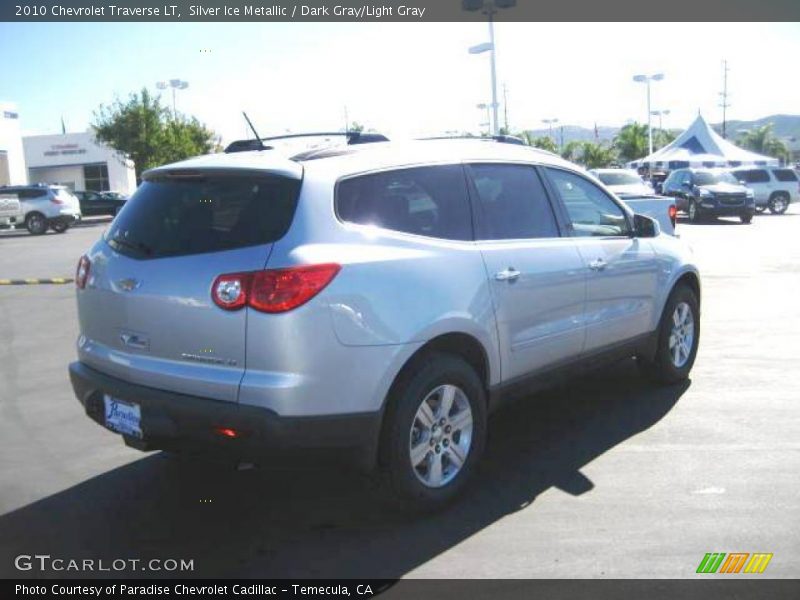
[[622, 270]]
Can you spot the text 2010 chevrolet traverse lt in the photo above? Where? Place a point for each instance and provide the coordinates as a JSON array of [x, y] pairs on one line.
[[379, 298]]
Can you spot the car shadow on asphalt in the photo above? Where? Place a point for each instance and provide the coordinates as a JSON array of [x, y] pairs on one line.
[[299, 521]]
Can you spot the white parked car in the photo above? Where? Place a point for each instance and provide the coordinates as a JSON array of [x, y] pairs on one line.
[[40, 207], [623, 181], [773, 188]]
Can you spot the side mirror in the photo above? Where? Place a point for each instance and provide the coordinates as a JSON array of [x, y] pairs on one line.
[[645, 227]]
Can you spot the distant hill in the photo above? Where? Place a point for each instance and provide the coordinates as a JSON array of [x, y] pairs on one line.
[[786, 127]]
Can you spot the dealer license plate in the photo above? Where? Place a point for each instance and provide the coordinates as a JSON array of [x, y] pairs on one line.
[[123, 417]]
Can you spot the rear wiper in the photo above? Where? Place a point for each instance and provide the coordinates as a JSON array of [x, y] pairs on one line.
[[139, 246]]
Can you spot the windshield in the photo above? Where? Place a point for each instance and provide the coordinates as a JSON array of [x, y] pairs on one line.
[[179, 216], [712, 177], [620, 178]]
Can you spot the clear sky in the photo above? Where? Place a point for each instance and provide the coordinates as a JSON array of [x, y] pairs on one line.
[[403, 79]]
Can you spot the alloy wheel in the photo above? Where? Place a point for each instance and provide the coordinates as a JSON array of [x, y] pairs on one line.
[[681, 338], [441, 436]]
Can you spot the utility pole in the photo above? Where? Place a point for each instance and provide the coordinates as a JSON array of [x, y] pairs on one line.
[[724, 93], [346, 120], [505, 107]]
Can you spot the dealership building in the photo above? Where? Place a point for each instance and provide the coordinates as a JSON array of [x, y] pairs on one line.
[[77, 161], [12, 158]]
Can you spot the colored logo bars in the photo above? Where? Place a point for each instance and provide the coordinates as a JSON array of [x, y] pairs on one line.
[[713, 562]]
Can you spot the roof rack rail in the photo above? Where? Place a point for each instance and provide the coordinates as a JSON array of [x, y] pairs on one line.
[[353, 137], [502, 139]]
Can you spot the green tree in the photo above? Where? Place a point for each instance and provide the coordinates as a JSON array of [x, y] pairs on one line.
[[763, 140], [571, 150], [631, 142], [596, 156], [543, 142], [144, 130], [662, 137]]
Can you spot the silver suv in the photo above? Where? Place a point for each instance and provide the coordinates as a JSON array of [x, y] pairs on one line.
[[378, 299]]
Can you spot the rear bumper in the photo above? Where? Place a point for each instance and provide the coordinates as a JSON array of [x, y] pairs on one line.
[[177, 421], [728, 211]]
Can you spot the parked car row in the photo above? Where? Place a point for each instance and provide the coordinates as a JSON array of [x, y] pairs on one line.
[[40, 207]]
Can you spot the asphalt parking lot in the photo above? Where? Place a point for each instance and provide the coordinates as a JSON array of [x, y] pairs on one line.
[[607, 477]]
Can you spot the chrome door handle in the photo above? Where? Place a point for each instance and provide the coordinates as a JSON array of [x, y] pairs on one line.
[[509, 274], [598, 264]]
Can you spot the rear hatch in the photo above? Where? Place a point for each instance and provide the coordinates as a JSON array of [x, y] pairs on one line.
[[9, 205], [146, 312], [68, 200]]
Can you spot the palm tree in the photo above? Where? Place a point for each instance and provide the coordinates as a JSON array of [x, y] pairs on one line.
[[631, 141], [571, 150], [662, 137], [543, 142], [596, 156], [763, 141]]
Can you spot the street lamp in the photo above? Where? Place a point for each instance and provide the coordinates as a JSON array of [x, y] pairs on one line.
[[175, 84], [647, 79], [489, 8], [550, 123], [659, 114], [487, 108]]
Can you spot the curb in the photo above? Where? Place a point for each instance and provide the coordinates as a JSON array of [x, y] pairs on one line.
[[45, 281]]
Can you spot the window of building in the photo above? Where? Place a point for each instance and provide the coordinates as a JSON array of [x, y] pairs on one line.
[[95, 178]]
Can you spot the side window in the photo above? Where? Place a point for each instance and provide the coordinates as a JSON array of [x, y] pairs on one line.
[[430, 201], [758, 176], [591, 211], [30, 194], [513, 203], [742, 176], [785, 175]]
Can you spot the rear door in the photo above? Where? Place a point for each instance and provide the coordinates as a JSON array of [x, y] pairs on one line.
[[622, 270], [536, 277], [146, 313]]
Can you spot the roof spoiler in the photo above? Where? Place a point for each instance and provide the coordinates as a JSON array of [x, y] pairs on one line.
[[353, 137]]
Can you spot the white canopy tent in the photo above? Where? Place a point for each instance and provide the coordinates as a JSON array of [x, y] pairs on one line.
[[701, 146]]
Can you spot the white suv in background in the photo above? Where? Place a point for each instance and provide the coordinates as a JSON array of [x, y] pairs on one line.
[[40, 207], [773, 188]]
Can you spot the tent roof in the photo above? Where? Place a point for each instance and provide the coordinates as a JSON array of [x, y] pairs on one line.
[[701, 146]]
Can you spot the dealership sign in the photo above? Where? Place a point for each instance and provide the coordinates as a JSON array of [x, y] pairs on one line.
[[64, 149]]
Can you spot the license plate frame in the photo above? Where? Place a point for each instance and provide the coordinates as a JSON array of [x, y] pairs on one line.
[[121, 416]]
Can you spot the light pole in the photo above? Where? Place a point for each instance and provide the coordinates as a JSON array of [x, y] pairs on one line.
[[489, 8], [487, 108], [659, 114], [550, 123], [646, 79], [175, 84]]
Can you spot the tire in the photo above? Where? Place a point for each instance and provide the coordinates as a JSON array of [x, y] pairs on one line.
[[59, 226], [694, 212], [761, 209], [665, 368], [424, 486], [746, 219], [36, 223], [778, 203]]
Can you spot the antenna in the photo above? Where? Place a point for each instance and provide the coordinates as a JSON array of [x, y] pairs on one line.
[[724, 93], [255, 133]]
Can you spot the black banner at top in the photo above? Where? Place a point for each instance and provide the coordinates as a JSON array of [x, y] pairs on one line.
[[397, 10]]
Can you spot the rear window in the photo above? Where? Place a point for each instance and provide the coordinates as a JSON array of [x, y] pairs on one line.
[[430, 201], [181, 216], [753, 176], [785, 175], [619, 178]]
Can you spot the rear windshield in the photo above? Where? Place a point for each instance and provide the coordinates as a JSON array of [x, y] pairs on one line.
[[619, 178], [785, 175], [180, 216]]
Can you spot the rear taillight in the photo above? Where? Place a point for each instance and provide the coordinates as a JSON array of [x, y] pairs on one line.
[[82, 272], [673, 214], [273, 290], [56, 200]]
